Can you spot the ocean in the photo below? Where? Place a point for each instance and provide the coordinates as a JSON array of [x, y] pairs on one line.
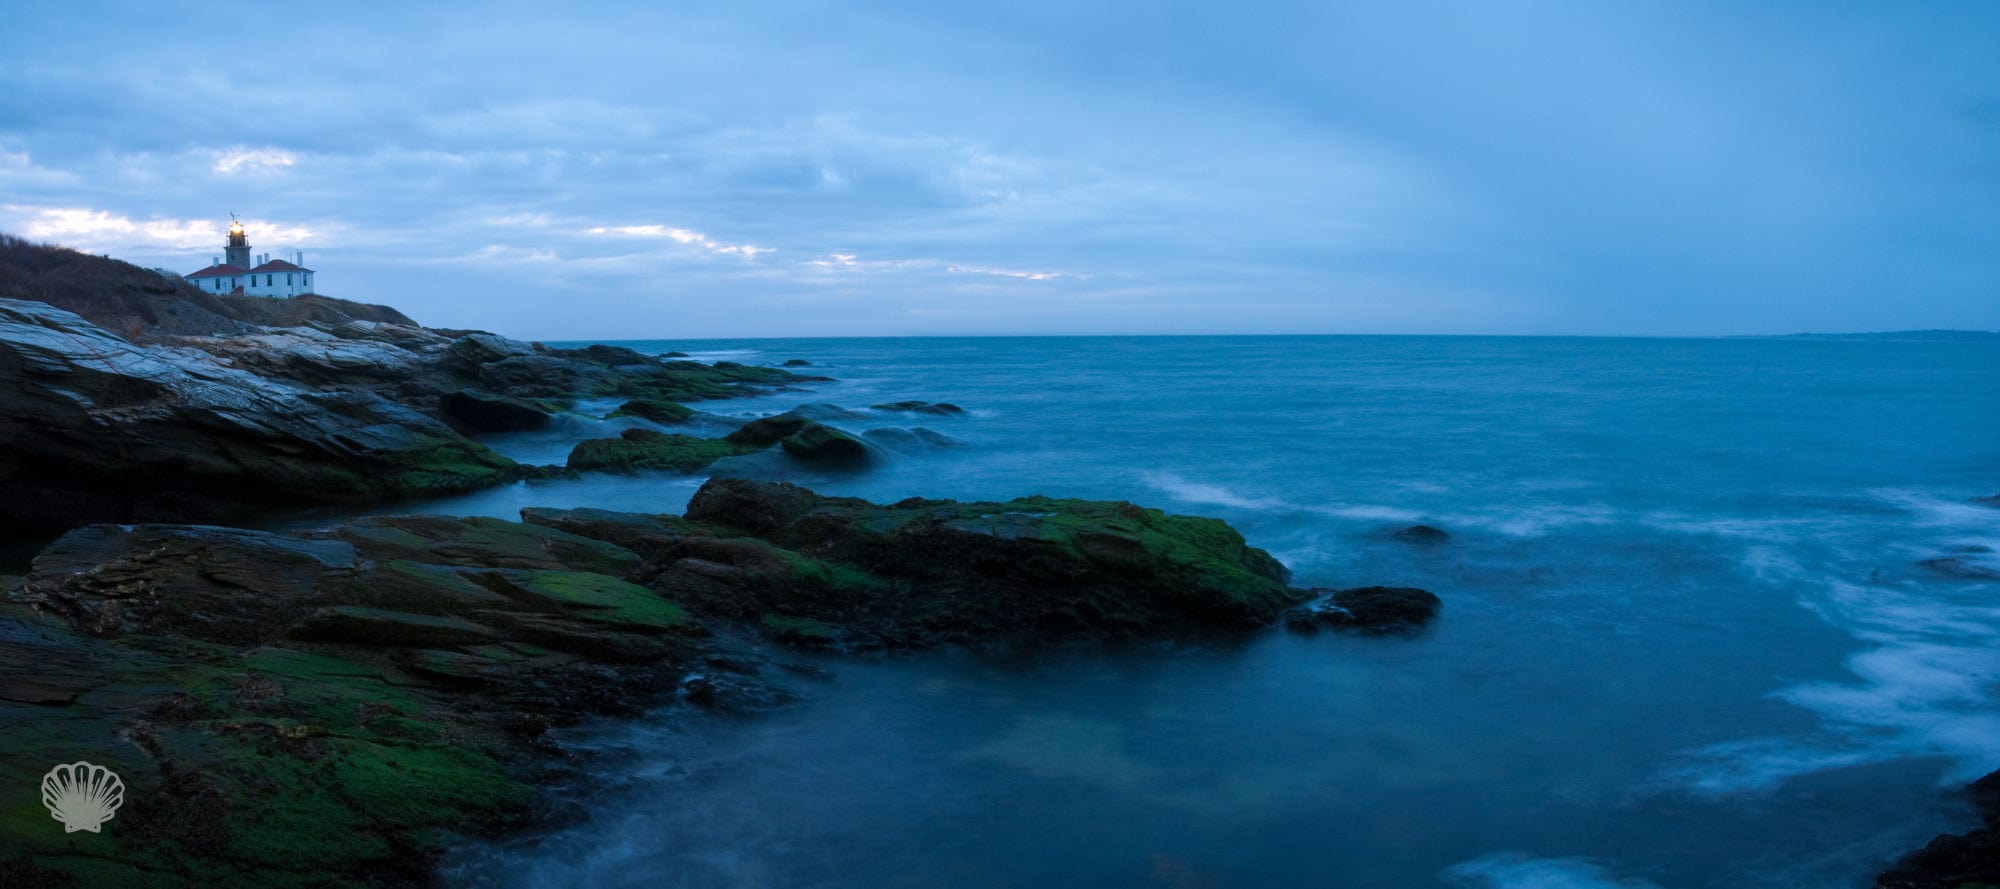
[[1718, 613]]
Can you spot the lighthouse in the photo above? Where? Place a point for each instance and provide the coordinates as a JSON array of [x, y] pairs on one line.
[[234, 272], [238, 250]]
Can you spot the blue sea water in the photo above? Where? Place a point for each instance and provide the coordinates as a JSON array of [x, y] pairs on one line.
[[1689, 637]]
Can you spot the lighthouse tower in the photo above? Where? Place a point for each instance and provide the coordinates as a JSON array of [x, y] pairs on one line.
[[238, 250]]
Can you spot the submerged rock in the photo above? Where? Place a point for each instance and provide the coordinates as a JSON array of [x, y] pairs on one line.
[[940, 409], [1375, 609], [1966, 567], [912, 439], [1421, 534], [824, 411]]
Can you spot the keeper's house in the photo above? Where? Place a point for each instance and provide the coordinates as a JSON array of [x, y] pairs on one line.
[[269, 277]]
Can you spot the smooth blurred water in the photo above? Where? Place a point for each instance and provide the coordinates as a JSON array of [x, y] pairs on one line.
[[1687, 640]]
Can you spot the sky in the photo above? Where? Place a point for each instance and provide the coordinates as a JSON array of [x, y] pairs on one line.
[[612, 170]]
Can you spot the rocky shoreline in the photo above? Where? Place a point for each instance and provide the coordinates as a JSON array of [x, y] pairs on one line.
[[339, 706]]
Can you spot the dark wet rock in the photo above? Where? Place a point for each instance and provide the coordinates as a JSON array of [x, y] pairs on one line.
[[664, 412], [472, 410], [940, 409], [767, 431], [698, 690], [826, 445], [1377, 609], [637, 449], [478, 541], [1963, 861], [374, 626], [673, 354], [1425, 534], [1962, 568], [1988, 501], [97, 428], [797, 362]]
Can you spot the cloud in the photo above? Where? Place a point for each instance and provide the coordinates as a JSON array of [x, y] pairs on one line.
[[681, 235], [90, 228], [1008, 273], [251, 160], [1566, 172], [85, 227]]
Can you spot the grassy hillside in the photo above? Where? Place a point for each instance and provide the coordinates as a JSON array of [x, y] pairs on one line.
[[135, 302]]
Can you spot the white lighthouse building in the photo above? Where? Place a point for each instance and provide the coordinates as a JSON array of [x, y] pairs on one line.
[[267, 277]]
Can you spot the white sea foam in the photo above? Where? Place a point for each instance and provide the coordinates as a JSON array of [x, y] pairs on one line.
[[1926, 508], [1537, 521], [1215, 495], [1514, 870], [1761, 764], [1369, 512], [713, 355], [1927, 688]]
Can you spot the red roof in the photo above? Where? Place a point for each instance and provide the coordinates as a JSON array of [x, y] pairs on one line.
[[218, 271], [279, 265]]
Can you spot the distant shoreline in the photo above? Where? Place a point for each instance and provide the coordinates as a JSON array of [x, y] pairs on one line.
[[1938, 336]]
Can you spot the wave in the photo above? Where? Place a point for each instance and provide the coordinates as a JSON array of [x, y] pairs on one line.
[[1213, 495], [1929, 685], [1514, 870]]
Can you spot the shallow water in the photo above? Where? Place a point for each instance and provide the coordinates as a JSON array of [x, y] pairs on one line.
[[1687, 638]]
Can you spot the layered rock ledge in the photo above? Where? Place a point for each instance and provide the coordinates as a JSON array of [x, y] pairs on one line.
[[337, 707]]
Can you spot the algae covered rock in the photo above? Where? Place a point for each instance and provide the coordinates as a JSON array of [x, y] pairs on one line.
[[767, 431], [922, 571], [654, 410], [314, 708], [637, 449], [822, 444], [642, 449]]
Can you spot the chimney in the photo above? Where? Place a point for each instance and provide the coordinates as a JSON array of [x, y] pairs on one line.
[[302, 259]]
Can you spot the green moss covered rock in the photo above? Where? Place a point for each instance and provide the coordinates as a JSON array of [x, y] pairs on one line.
[[637, 449]]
